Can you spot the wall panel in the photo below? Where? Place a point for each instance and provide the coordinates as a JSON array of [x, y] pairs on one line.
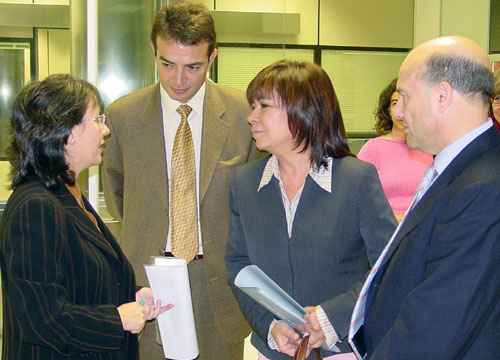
[[375, 23], [308, 11], [358, 78], [238, 66], [466, 18]]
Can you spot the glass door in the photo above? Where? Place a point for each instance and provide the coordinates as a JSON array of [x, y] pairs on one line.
[[14, 73]]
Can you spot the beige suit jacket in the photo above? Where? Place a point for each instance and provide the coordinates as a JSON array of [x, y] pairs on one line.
[[134, 176]]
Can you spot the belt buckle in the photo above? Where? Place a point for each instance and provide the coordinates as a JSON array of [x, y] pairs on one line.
[[162, 252]]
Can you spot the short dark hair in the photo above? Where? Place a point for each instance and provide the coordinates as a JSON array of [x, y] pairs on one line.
[[465, 75], [496, 91], [185, 22], [305, 91], [496, 88], [383, 120], [43, 115]]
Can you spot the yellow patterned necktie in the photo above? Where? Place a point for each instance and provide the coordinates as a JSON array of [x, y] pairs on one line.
[[183, 208]]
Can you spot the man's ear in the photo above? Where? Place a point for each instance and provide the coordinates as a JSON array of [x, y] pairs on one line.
[[212, 57], [445, 95], [151, 45]]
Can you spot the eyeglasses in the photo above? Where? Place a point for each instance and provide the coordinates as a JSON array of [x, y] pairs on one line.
[[495, 100], [100, 120]]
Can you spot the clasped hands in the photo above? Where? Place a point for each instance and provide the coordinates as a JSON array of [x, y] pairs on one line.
[[135, 314], [288, 339]]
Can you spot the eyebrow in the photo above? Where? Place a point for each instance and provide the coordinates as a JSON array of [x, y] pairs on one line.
[[171, 62], [265, 99]]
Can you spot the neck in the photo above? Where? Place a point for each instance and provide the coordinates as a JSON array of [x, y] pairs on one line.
[[395, 134], [295, 163], [77, 173], [293, 169], [464, 121]]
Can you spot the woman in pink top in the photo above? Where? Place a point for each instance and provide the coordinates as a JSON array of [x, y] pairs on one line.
[[399, 167], [495, 101]]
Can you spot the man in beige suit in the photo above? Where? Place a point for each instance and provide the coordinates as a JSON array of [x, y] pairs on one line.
[[136, 171]]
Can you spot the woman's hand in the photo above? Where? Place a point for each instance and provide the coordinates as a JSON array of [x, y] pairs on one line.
[[286, 338], [133, 316], [312, 327], [146, 296]]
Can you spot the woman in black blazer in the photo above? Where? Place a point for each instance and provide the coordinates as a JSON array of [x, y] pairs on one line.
[[311, 216], [68, 290]]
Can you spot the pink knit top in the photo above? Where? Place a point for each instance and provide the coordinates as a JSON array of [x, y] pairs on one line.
[[399, 168]]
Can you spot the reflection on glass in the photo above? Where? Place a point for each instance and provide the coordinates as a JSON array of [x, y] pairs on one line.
[[11, 82], [5, 90], [126, 62], [113, 87]]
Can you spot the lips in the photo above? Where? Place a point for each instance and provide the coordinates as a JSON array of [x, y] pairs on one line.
[[180, 91]]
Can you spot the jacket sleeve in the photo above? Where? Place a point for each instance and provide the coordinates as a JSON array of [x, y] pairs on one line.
[[236, 259], [35, 263], [376, 224]]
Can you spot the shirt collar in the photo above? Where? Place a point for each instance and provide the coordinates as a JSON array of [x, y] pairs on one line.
[[170, 105], [76, 192], [446, 156], [322, 176]]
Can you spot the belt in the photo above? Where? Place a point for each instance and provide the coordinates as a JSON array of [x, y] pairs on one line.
[[169, 254]]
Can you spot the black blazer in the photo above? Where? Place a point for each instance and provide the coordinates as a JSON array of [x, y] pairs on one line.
[[437, 294], [336, 237], [62, 280]]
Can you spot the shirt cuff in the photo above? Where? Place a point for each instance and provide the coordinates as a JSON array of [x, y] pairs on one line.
[[331, 337]]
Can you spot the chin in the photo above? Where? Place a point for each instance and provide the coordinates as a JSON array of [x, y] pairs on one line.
[[410, 143]]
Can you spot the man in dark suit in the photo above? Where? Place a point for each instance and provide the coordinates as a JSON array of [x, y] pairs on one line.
[[436, 294], [137, 171]]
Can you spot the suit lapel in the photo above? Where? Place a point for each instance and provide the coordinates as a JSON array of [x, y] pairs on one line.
[[110, 239], [270, 199], [92, 234], [481, 145], [152, 142], [214, 134], [312, 193]]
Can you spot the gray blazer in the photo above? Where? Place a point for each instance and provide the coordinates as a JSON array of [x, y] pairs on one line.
[[135, 184], [336, 237]]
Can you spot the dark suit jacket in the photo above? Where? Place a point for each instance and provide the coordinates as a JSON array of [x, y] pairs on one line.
[[136, 185], [335, 238], [62, 280], [437, 295]]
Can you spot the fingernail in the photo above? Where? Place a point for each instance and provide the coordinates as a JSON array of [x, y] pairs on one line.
[[142, 303]]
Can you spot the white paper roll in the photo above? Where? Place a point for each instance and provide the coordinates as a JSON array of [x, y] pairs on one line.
[[169, 282]]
